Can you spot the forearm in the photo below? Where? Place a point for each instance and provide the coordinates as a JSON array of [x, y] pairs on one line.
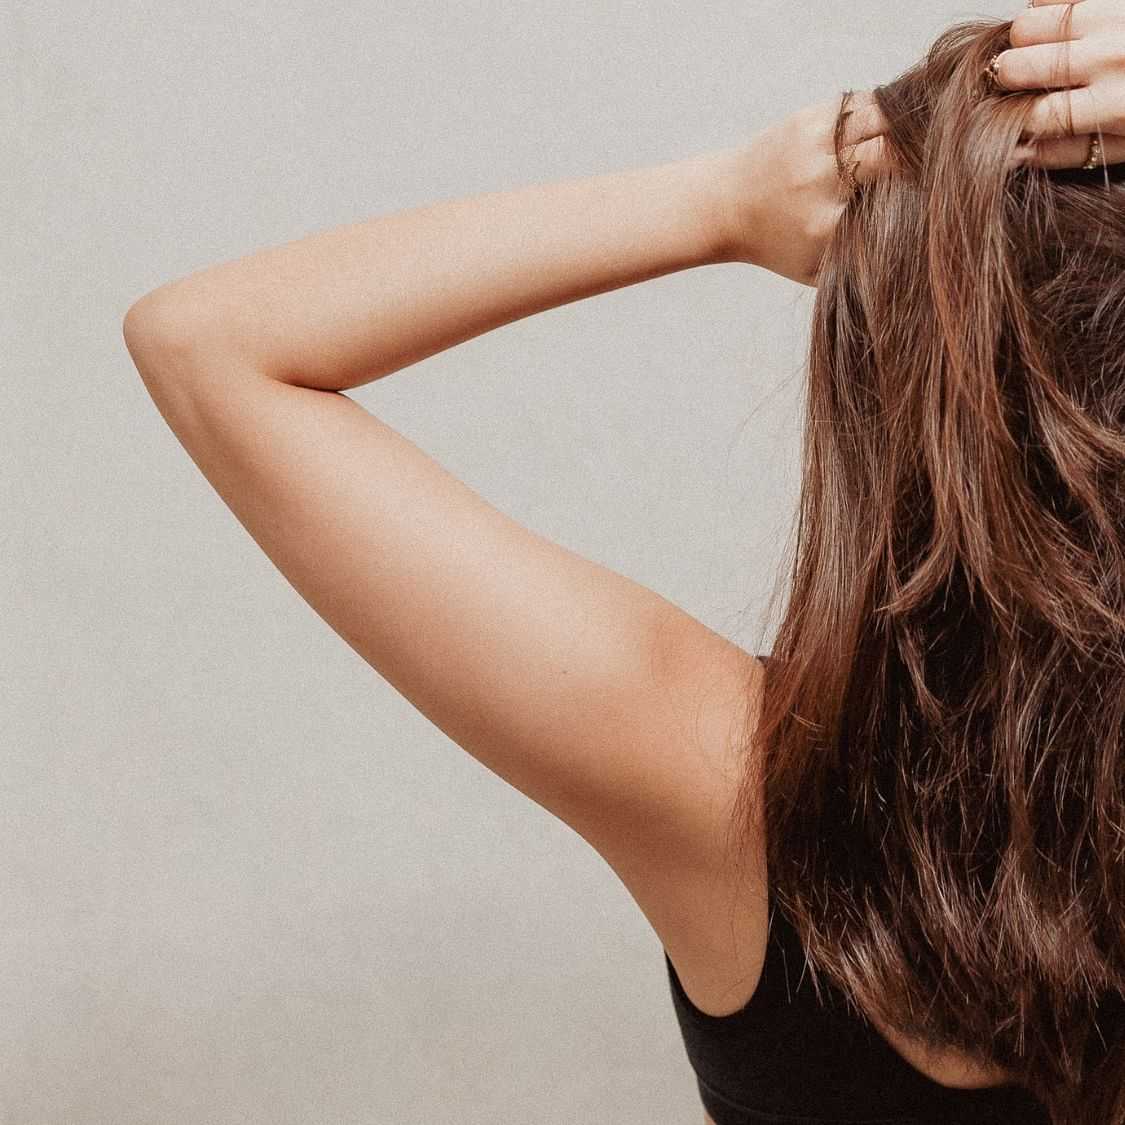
[[349, 305]]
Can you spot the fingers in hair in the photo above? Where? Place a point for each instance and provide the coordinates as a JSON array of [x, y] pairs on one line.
[[1070, 152], [1046, 66], [1065, 113], [870, 159], [1048, 23], [866, 119]]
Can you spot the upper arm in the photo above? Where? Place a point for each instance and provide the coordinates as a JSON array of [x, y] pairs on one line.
[[591, 694]]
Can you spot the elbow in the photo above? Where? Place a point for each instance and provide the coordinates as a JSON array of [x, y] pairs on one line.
[[158, 317], [163, 331]]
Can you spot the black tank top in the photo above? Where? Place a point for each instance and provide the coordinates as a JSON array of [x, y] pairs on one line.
[[785, 1059]]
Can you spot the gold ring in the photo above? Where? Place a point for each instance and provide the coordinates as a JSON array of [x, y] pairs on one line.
[[993, 69], [1095, 156]]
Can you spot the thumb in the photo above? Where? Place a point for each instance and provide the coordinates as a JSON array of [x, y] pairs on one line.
[[873, 157]]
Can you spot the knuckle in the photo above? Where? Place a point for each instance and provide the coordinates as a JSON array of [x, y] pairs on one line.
[[1019, 34], [1008, 67], [1117, 98]]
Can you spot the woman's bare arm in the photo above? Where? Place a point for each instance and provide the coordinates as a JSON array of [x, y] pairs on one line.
[[593, 695], [350, 305]]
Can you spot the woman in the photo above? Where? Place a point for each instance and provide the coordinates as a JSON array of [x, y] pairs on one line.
[[889, 771]]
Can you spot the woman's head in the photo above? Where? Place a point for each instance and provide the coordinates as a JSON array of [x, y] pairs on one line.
[[941, 737], [974, 312]]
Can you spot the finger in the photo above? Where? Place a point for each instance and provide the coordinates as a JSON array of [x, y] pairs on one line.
[[1047, 23], [869, 159], [1065, 113], [1071, 152], [866, 119], [1046, 66]]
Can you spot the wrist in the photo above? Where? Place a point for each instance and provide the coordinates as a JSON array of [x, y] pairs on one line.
[[732, 202], [720, 184]]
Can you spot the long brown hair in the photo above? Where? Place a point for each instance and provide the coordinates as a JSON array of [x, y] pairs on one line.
[[938, 756]]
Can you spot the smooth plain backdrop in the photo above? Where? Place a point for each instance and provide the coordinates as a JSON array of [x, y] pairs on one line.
[[241, 879]]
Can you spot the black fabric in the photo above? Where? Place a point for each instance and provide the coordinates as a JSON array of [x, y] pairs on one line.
[[786, 1059]]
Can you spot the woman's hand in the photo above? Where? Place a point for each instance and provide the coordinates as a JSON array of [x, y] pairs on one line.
[[787, 195], [1094, 97]]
